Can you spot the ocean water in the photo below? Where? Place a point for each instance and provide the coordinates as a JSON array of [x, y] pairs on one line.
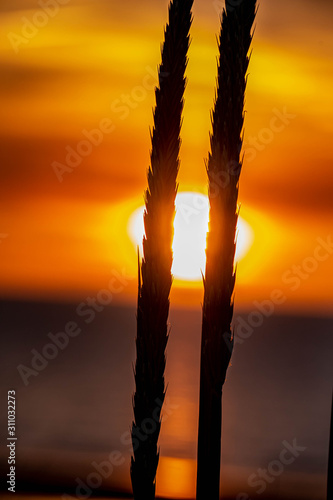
[[74, 410]]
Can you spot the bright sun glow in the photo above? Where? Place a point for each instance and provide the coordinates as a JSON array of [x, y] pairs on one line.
[[189, 243]]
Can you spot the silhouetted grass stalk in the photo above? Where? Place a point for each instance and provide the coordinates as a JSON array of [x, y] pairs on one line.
[[155, 270], [224, 162]]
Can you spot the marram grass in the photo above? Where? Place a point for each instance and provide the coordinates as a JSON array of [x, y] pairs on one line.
[[223, 169], [155, 277]]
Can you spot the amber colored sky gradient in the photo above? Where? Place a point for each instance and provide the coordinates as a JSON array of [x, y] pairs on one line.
[[65, 239]]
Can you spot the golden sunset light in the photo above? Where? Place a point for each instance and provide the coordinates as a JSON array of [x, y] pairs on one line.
[[176, 478], [89, 123], [79, 172], [190, 229]]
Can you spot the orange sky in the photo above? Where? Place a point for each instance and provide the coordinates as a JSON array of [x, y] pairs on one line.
[[92, 64]]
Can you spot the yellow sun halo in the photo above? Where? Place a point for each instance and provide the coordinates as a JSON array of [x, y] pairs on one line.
[[190, 229]]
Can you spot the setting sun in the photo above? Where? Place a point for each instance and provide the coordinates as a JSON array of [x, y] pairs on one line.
[[189, 243], [143, 396]]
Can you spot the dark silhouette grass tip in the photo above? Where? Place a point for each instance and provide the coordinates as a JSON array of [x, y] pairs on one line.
[[223, 170], [155, 277]]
